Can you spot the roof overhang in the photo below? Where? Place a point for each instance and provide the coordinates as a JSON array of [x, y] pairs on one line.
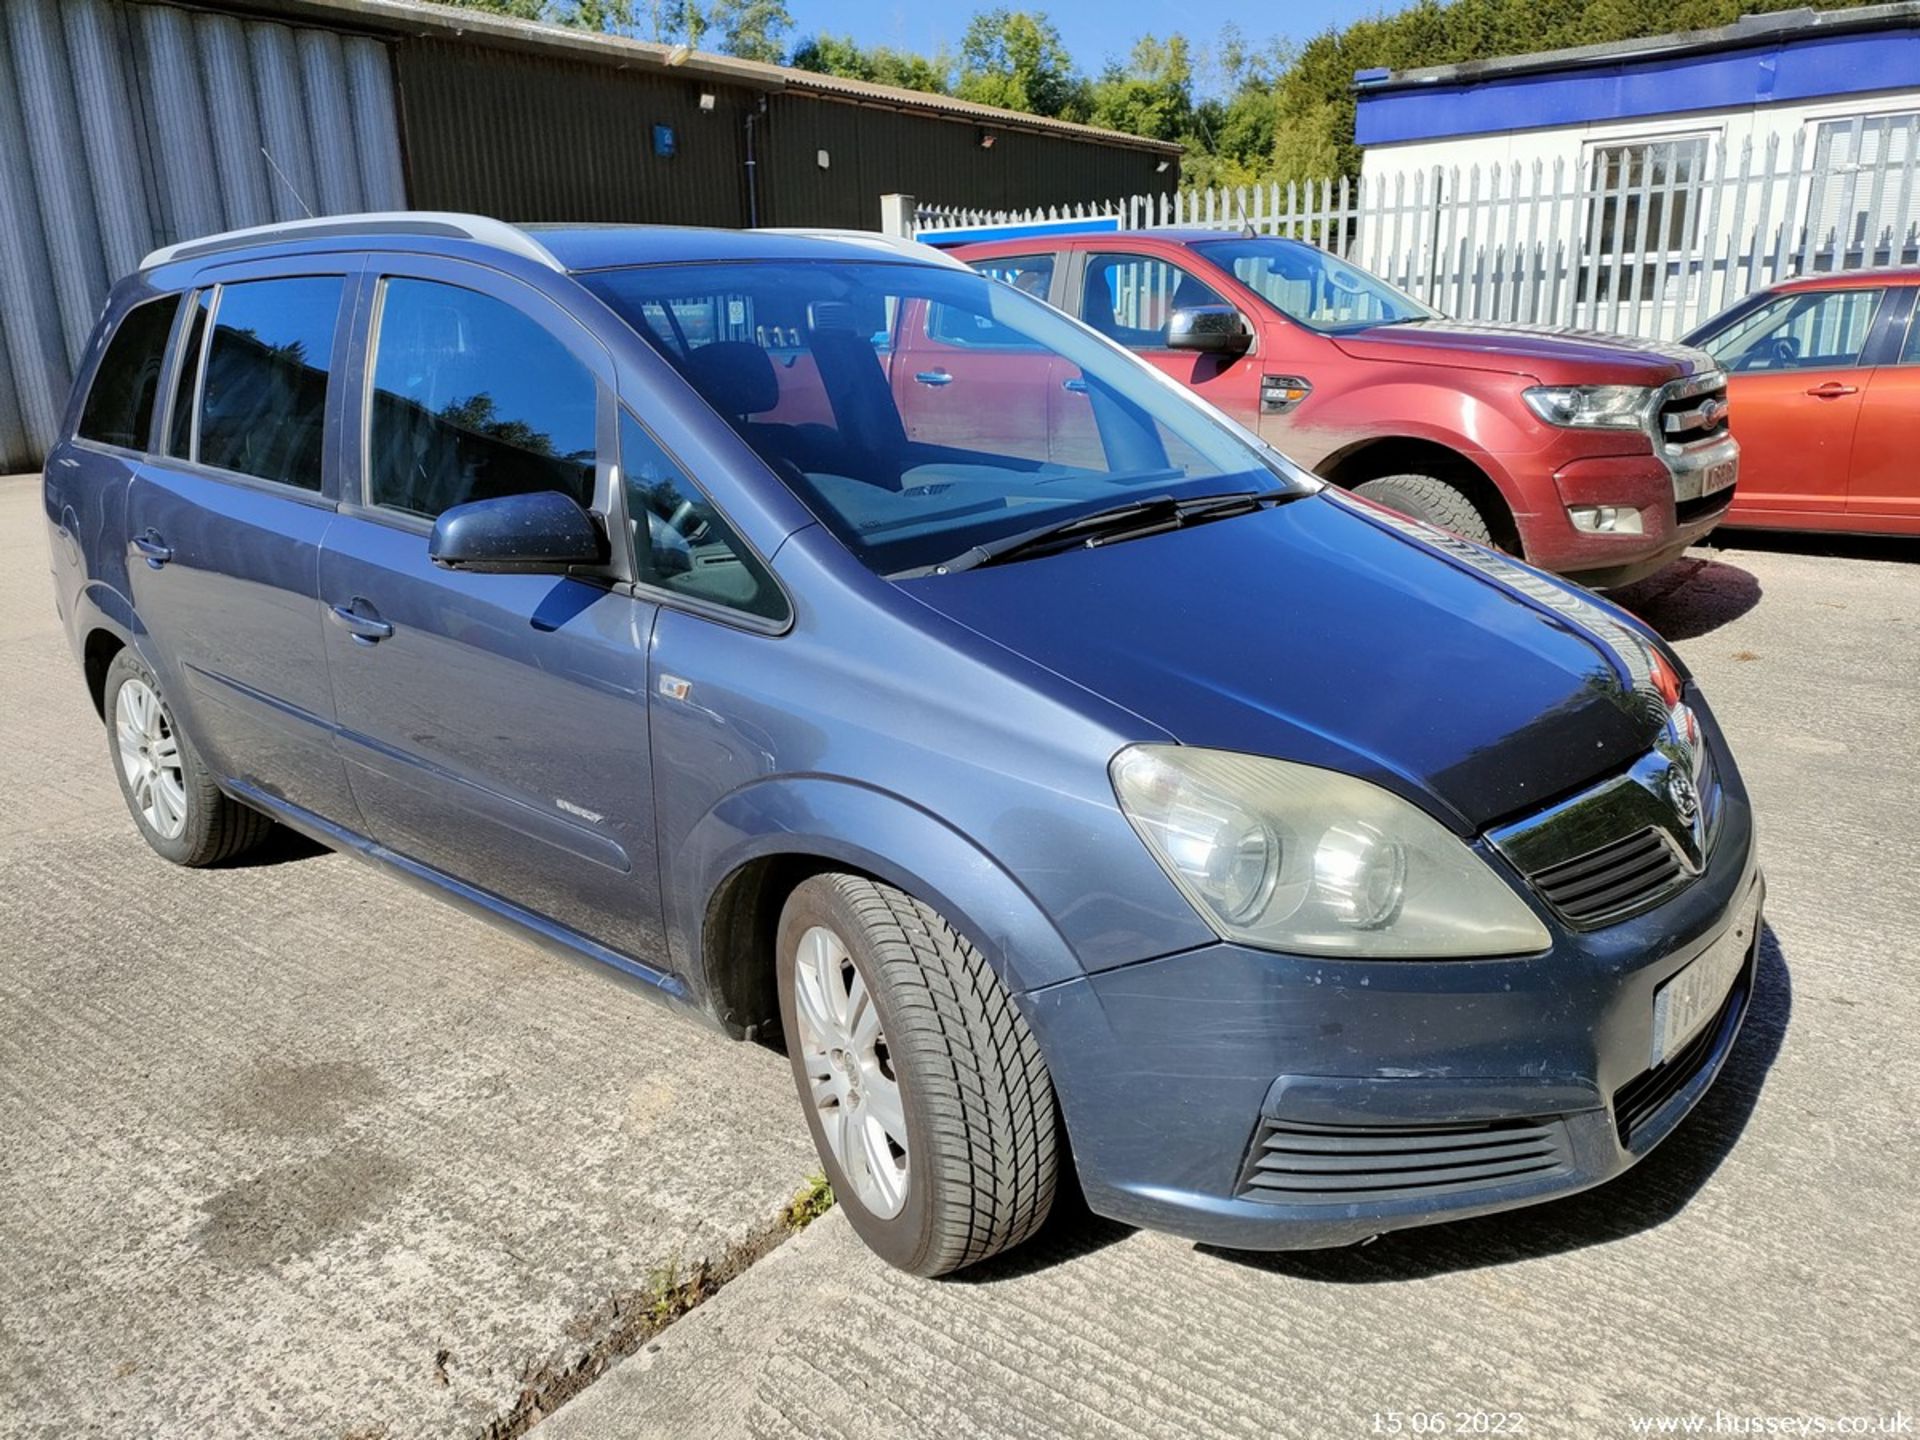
[[445, 22]]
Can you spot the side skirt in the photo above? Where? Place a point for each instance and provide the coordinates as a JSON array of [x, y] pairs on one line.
[[551, 936]]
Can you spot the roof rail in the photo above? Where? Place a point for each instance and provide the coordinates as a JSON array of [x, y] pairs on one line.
[[443, 224], [900, 245]]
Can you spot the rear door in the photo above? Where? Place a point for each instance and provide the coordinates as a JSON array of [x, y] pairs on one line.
[[494, 726], [1885, 488], [225, 526], [1796, 378], [961, 380]]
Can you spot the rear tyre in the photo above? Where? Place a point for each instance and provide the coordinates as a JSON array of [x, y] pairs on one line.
[[179, 810], [1429, 498], [925, 1091]]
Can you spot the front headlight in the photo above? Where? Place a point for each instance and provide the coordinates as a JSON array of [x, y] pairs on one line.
[[1581, 407], [1292, 857]]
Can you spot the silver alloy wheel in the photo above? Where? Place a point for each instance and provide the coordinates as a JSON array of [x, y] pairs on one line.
[[150, 756], [850, 1072]]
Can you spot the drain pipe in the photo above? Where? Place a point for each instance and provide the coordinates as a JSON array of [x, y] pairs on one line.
[[753, 178]]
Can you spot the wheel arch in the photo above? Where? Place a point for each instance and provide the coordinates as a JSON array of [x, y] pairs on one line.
[[1384, 455], [737, 867]]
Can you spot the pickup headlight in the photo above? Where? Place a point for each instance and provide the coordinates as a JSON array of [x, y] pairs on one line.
[[1292, 857], [1581, 407]]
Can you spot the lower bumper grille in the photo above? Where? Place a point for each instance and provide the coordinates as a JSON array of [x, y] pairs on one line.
[[1642, 1098], [1685, 512], [1293, 1163]]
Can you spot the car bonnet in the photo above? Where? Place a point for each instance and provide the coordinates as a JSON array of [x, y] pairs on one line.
[[1331, 632]]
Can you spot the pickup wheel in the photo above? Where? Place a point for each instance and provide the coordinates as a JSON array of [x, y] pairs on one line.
[[1429, 498], [925, 1091], [179, 810]]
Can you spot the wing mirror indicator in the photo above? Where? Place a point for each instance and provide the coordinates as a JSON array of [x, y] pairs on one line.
[[1281, 393]]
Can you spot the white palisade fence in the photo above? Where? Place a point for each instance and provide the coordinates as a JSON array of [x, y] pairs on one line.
[[1650, 240]]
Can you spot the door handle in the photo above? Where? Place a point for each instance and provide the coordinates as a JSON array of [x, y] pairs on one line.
[[1832, 390], [1075, 386], [151, 546], [934, 377], [361, 621]]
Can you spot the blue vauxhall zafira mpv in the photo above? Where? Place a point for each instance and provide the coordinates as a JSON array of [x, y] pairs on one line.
[[1059, 773]]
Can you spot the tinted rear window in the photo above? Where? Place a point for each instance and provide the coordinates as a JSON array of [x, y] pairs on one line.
[[263, 404], [119, 409]]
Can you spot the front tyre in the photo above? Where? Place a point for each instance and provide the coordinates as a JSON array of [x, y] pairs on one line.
[[925, 1091], [179, 810], [1436, 501]]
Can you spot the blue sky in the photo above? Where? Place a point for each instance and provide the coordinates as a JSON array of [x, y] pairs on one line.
[[1094, 30]]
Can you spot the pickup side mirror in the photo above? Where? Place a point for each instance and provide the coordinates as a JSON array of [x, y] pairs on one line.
[[1217, 329], [540, 533]]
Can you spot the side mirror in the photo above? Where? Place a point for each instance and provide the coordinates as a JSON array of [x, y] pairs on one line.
[[1217, 329], [544, 532]]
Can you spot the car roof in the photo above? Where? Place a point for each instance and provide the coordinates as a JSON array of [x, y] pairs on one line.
[[1847, 279], [1100, 239], [556, 247]]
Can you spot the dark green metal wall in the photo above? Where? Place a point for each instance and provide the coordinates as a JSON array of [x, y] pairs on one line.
[[534, 137], [872, 152]]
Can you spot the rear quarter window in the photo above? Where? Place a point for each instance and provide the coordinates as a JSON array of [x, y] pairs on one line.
[[119, 408]]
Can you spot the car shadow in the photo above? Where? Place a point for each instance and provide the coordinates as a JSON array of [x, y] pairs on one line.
[[1693, 596], [281, 847], [1898, 548], [1645, 1197]]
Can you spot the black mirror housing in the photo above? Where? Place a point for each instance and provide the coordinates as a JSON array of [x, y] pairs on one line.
[[543, 532], [1215, 329]]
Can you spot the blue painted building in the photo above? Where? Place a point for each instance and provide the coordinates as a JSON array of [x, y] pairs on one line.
[[1821, 109]]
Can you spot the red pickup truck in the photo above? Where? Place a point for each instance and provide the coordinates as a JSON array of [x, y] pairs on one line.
[[1597, 456]]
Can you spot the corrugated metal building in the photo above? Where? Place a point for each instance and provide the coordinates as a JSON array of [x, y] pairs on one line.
[[125, 125]]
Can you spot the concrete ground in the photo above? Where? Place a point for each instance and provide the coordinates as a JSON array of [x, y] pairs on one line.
[[1761, 1263], [292, 1149]]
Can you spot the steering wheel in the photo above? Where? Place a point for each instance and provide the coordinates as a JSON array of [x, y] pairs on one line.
[[687, 522], [1783, 350]]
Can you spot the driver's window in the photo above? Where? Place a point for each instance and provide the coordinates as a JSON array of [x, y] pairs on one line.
[[472, 400], [680, 543], [1130, 298], [1806, 330]]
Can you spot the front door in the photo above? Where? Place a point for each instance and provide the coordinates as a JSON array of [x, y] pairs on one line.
[[494, 726], [1129, 297], [1796, 380], [226, 527]]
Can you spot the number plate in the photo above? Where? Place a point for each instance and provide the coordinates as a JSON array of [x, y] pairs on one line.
[[1693, 997], [1720, 476]]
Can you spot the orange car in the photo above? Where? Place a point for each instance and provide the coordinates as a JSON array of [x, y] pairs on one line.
[[1824, 381]]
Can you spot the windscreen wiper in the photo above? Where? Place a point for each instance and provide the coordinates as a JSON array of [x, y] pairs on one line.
[[1151, 516]]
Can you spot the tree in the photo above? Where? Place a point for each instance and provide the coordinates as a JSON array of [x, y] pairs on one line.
[[840, 55], [1151, 95], [752, 29], [1014, 59]]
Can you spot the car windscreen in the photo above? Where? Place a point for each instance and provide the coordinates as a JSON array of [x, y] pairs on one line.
[[1311, 287], [920, 410]]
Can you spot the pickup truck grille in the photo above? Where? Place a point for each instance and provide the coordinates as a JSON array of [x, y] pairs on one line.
[[1693, 410]]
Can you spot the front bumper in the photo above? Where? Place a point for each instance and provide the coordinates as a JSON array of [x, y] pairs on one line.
[[1173, 1073], [1667, 488]]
